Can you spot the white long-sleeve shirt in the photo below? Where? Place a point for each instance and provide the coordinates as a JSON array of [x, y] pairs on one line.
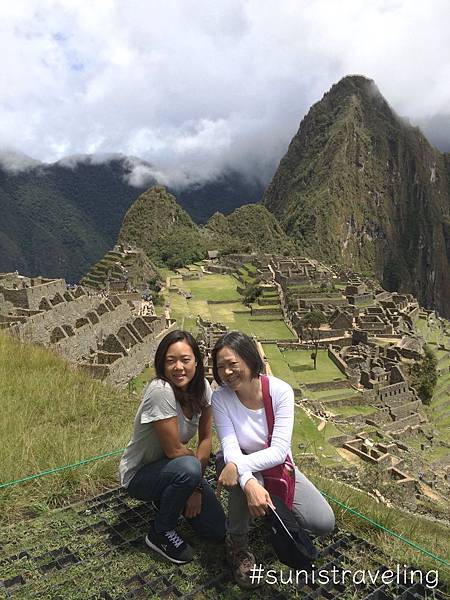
[[244, 429]]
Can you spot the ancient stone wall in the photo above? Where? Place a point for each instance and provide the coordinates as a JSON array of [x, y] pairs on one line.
[[337, 360], [101, 332], [90, 318], [266, 311], [404, 410], [399, 392], [403, 424], [135, 360], [360, 299], [31, 296], [328, 385], [220, 269]]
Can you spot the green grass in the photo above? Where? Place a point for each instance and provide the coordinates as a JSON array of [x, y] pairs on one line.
[[430, 535], [138, 383], [58, 416], [351, 411], [279, 366], [55, 416], [332, 394], [305, 428], [233, 314], [301, 360], [445, 364], [250, 268], [105, 569], [431, 335], [213, 287], [306, 438], [439, 410]]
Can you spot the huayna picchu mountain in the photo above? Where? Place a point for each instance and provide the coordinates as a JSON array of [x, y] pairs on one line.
[[360, 186]]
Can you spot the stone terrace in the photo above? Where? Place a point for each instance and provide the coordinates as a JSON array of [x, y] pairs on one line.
[[103, 334]]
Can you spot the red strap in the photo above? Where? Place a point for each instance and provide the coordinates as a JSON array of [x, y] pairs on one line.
[[268, 407]]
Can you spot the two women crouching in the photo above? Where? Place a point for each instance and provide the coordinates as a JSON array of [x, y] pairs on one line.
[[157, 464]]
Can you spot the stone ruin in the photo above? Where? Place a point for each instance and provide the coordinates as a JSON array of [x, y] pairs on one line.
[[371, 338], [207, 337], [109, 336]]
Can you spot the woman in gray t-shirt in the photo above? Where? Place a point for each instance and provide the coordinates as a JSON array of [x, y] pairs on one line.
[[157, 465]]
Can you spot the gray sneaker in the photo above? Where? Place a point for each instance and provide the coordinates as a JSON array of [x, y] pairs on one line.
[[170, 544]]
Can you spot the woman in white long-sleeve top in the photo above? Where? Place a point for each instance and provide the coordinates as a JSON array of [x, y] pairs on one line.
[[241, 425]]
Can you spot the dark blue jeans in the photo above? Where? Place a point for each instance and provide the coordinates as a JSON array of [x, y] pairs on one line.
[[170, 482]]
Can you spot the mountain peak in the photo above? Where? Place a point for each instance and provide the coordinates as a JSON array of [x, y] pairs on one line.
[[358, 177]]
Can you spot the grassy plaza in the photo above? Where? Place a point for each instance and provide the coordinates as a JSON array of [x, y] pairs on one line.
[[215, 298]]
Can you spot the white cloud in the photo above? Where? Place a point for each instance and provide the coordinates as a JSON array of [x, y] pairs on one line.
[[193, 87]]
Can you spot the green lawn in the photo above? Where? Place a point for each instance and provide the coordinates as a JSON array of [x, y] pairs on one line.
[[53, 415], [233, 313], [332, 394], [251, 268], [307, 439], [279, 366], [351, 411], [432, 335], [303, 371], [258, 307], [445, 363], [439, 410], [138, 383], [300, 361], [213, 287]]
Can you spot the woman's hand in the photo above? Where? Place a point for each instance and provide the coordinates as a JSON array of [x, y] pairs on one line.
[[228, 477], [258, 498], [193, 505]]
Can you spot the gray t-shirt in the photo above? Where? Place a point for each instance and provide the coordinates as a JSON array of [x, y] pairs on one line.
[[157, 403]]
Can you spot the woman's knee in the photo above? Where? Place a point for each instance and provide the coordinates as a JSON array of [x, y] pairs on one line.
[[189, 469], [318, 520], [312, 510], [324, 521]]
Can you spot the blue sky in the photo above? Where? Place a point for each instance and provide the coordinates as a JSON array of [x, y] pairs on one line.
[[195, 87]]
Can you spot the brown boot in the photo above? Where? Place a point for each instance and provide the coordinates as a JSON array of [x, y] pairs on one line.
[[240, 560]]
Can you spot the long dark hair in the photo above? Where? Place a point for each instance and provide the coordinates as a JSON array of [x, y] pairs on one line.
[[195, 393], [244, 347]]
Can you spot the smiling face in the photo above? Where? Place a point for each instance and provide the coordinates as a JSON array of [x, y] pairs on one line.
[[232, 369], [179, 364]]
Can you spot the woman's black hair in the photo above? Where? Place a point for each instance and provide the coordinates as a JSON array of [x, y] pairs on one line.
[[195, 393], [244, 347]]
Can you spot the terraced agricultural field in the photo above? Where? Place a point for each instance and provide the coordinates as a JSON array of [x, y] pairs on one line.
[[214, 297], [332, 394]]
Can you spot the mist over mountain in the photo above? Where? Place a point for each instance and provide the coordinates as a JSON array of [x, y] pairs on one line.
[[224, 194], [437, 131], [59, 219]]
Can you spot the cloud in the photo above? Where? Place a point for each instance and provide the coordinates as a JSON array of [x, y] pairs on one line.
[[195, 87], [15, 162]]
